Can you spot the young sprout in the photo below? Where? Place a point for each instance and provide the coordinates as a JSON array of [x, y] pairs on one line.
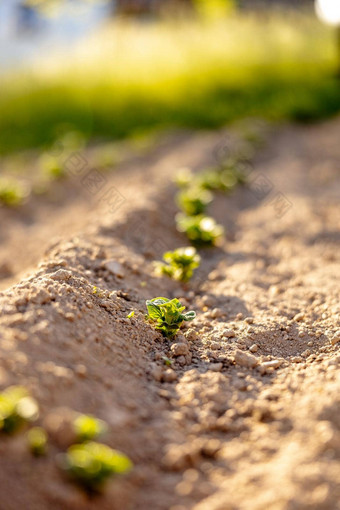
[[179, 264], [168, 362], [51, 167], [194, 200], [131, 315], [88, 427], [12, 192], [201, 230], [16, 409], [166, 315], [210, 179], [92, 464], [184, 177], [37, 441]]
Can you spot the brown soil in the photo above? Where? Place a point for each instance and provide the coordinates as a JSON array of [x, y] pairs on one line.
[[248, 417]]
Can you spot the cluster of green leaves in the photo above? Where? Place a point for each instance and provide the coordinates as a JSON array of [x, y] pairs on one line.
[[202, 231], [51, 167], [179, 264], [167, 315], [183, 177], [12, 192], [17, 408], [222, 179], [37, 441], [88, 427], [194, 200], [91, 464]]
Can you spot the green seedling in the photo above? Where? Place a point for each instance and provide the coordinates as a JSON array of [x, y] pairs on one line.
[[194, 200], [166, 315], [201, 230], [91, 464], [37, 441], [16, 409], [168, 362], [12, 192], [235, 173], [210, 179], [88, 427], [179, 264], [51, 167], [98, 292], [131, 315], [184, 177], [72, 141]]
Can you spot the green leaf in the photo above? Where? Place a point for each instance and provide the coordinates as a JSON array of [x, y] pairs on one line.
[[167, 315]]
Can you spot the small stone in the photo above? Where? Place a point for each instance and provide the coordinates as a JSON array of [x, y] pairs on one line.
[[296, 359], [179, 349], [114, 268], [156, 372], [169, 376], [269, 366], [70, 316], [335, 339], [239, 316], [254, 348], [181, 360], [80, 370], [61, 275], [275, 290], [216, 367], [299, 317], [245, 360], [249, 320], [216, 313], [228, 333], [191, 335]]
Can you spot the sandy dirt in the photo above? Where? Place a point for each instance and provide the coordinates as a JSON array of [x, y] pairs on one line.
[[248, 415]]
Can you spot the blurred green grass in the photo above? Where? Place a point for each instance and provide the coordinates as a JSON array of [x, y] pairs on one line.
[[136, 77]]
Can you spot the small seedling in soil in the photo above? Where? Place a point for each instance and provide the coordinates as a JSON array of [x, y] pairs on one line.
[[88, 427], [166, 315], [131, 315], [98, 292], [168, 362], [184, 177], [16, 409], [194, 200], [12, 192], [179, 264], [91, 464], [224, 179], [201, 230], [51, 167], [210, 179], [37, 441]]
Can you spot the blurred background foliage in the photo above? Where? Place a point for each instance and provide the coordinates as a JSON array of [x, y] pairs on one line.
[[158, 65]]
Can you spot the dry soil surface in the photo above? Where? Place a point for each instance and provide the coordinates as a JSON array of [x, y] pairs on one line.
[[248, 415]]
